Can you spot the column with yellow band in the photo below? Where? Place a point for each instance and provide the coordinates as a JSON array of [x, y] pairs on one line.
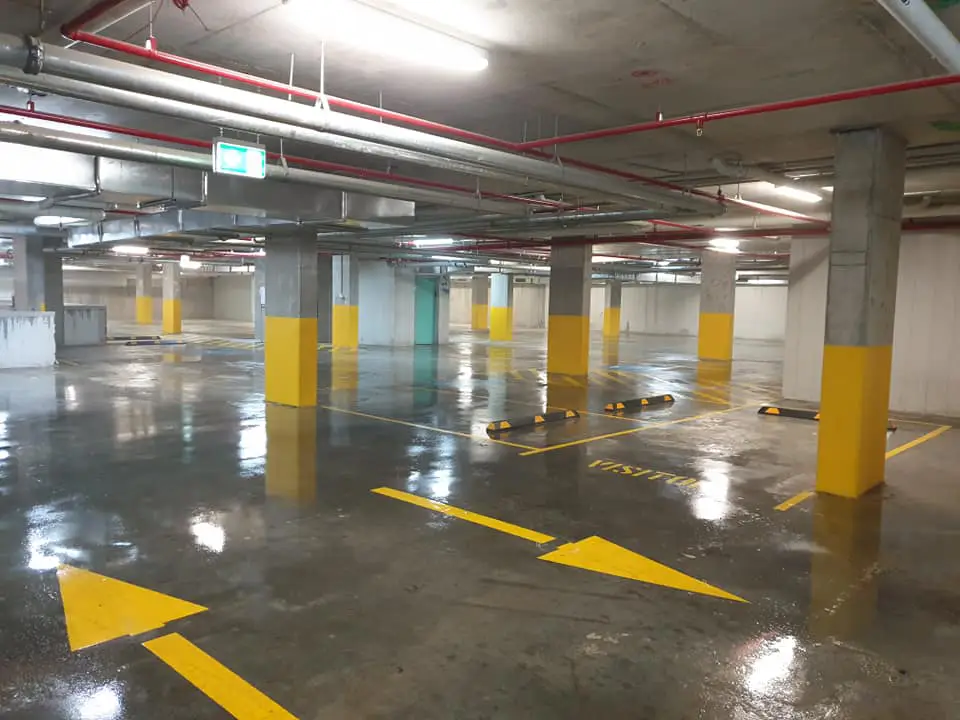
[[612, 300], [480, 302], [718, 284], [861, 297], [346, 302], [172, 300], [568, 327], [38, 278], [144, 284], [501, 307], [290, 351]]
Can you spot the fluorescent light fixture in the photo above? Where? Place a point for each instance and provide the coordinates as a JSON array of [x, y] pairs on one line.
[[727, 245], [353, 24], [827, 188], [431, 242], [55, 220], [798, 194], [187, 263], [25, 198], [606, 259], [726, 229], [448, 258], [52, 125], [130, 249]]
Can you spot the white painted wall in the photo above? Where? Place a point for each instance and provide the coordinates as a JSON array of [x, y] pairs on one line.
[[461, 304], [27, 339], [597, 304], [660, 309], [233, 298], [529, 306], [760, 312]]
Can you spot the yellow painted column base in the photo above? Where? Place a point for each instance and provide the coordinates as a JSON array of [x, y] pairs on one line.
[[480, 317], [568, 345], [611, 323], [144, 310], [172, 317], [290, 361], [346, 326], [715, 337], [501, 324], [855, 398]]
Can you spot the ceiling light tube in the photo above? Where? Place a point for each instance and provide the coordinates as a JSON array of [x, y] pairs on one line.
[[798, 194], [727, 245], [130, 249]]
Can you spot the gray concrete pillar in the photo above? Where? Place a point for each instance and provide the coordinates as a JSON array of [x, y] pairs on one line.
[[718, 285], [325, 299], [612, 302], [568, 327], [480, 302], [144, 281], [501, 307], [259, 298], [861, 300], [346, 301], [172, 300], [806, 318], [53, 291], [290, 354], [28, 273]]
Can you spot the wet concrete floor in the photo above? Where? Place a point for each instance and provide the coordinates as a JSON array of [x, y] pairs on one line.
[[161, 467]]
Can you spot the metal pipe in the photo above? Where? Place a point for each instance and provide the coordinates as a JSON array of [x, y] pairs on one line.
[[80, 66], [109, 23], [157, 155], [290, 159], [919, 20], [701, 119]]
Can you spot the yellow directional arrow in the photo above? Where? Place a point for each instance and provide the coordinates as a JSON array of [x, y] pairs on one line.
[[593, 553], [98, 609]]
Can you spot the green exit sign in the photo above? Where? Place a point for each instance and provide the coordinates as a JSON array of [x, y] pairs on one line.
[[232, 158]]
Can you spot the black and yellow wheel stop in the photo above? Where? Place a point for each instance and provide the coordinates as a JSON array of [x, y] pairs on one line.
[[638, 403], [137, 343], [500, 426], [130, 338], [800, 414]]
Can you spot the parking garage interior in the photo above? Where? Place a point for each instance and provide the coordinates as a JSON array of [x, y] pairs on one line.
[[417, 359]]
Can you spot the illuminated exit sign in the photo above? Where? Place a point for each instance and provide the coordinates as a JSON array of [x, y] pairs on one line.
[[232, 158]]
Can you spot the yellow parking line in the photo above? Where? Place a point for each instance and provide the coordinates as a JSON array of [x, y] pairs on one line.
[[622, 433], [922, 439], [493, 523], [455, 433], [795, 500]]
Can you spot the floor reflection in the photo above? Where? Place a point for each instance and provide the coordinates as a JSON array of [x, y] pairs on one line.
[[292, 453], [713, 380]]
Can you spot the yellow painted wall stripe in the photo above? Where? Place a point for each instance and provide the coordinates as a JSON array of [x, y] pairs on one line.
[[493, 523], [346, 326], [172, 317], [144, 310], [918, 441], [224, 687], [854, 402], [480, 317], [611, 322], [568, 345], [290, 361], [501, 324], [715, 336], [795, 500]]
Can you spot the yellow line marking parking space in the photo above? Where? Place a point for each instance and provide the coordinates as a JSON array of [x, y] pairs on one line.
[[795, 500], [920, 440], [623, 433], [593, 553], [418, 426]]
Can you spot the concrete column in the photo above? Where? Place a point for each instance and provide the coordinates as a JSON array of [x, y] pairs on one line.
[[568, 327], [612, 300], [144, 293], [290, 362], [806, 318], [387, 314], [325, 299], [259, 298], [53, 291], [346, 302], [501, 307], [172, 300], [861, 298], [718, 285], [480, 301], [28, 273], [443, 311]]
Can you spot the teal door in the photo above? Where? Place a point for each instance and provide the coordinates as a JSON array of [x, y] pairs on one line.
[[425, 312]]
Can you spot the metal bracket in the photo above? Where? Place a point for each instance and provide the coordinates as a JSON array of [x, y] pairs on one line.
[[34, 62]]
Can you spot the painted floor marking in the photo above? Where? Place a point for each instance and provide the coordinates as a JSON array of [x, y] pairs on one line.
[[622, 433], [795, 500], [98, 609], [593, 553], [647, 474], [920, 440], [418, 426]]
